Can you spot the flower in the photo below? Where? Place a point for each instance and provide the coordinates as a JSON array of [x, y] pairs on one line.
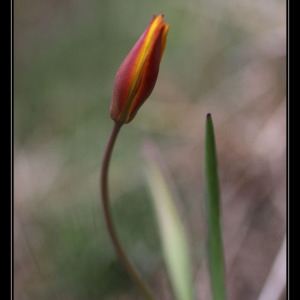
[[137, 75]]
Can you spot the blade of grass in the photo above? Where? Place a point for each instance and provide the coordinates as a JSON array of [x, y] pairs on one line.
[[213, 215], [173, 238]]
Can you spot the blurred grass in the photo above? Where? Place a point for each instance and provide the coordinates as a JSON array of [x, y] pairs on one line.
[[224, 57], [172, 232]]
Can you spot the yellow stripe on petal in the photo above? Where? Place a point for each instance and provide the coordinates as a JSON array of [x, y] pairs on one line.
[[164, 39], [149, 42]]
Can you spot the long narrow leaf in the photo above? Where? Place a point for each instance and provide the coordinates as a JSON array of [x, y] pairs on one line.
[[213, 215], [173, 238]]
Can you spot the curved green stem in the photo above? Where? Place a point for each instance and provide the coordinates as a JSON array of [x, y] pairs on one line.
[[108, 217]]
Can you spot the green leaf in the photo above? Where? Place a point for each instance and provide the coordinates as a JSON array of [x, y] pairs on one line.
[[173, 237], [213, 215]]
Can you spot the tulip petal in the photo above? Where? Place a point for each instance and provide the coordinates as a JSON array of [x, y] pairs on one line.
[[137, 74]]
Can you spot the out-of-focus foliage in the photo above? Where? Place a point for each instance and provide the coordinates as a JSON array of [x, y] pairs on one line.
[[172, 234], [227, 58]]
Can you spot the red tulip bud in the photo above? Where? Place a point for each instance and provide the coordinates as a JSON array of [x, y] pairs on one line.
[[137, 74]]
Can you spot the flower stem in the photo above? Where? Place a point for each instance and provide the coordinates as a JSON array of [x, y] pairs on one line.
[[109, 221]]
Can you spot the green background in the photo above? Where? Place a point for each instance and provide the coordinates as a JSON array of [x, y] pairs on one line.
[[222, 57]]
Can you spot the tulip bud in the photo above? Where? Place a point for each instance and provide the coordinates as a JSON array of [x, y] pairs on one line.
[[136, 77]]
